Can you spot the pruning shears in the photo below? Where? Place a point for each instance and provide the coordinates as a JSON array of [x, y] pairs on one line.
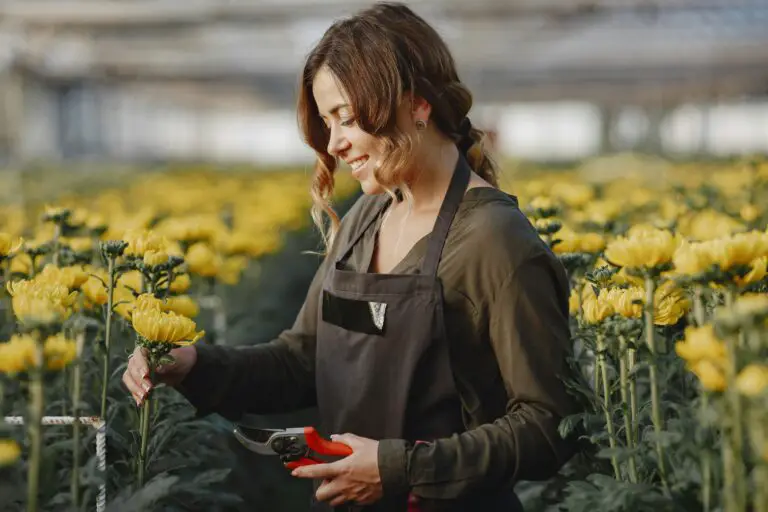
[[295, 446]]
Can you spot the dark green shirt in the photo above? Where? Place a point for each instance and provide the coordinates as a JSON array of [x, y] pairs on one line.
[[506, 309]]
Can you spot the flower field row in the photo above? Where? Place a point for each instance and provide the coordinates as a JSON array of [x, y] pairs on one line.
[[669, 305], [669, 311], [86, 279]]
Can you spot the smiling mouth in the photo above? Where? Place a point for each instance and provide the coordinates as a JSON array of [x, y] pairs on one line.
[[358, 163]]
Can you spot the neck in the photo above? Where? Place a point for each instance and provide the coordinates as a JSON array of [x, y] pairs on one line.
[[433, 176]]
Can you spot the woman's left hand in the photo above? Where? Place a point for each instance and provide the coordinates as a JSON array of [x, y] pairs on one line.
[[355, 478]]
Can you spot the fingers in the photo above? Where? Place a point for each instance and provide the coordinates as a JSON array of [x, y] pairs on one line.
[[328, 471], [330, 490], [136, 376]]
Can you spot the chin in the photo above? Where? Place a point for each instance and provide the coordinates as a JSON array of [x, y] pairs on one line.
[[370, 187]]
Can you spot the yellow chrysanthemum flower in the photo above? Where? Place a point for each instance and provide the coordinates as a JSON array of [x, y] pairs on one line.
[[192, 228], [132, 280], [9, 244], [753, 380], [140, 241], [17, 354], [154, 258], [642, 249], [573, 302], [692, 258], [710, 374], [749, 212], [162, 327], [59, 352], [180, 283], [202, 260], [596, 309], [670, 304], [10, 451], [701, 343], [623, 301], [94, 289], [182, 304], [570, 241], [71, 277], [41, 302], [758, 272], [231, 269], [740, 249], [708, 225], [22, 264]]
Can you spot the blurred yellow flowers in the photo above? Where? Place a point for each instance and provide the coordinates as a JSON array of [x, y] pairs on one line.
[[41, 302], [18, 354], [570, 241], [10, 451], [710, 374], [644, 249], [9, 245], [701, 343], [753, 380]]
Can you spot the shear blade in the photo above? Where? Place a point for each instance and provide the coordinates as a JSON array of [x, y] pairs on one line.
[[256, 439]]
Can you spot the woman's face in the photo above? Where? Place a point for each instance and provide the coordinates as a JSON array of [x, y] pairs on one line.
[[347, 142]]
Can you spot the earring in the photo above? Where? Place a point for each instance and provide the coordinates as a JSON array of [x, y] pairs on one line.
[[421, 124]]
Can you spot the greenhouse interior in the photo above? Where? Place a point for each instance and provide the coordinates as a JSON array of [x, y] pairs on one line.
[[159, 197]]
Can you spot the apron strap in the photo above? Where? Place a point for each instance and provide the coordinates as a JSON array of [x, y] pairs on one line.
[[448, 209]]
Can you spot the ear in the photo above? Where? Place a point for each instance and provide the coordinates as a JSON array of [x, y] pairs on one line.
[[420, 108]]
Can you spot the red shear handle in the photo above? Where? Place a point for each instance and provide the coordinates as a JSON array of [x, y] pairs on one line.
[[324, 447], [304, 461]]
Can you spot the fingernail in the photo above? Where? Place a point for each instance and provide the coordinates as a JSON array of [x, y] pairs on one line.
[[145, 386]]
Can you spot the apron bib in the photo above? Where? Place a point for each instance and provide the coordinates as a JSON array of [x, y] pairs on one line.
[[382, 362]]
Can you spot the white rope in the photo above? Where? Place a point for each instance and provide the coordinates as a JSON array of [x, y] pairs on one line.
[[101, 444]]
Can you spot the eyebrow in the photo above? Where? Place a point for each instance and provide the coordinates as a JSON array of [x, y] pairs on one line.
[[336, 108]]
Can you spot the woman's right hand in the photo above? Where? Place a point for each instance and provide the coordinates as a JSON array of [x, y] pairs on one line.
[[136, 376]]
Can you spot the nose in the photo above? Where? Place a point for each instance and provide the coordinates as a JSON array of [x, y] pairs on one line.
[[336, 142]]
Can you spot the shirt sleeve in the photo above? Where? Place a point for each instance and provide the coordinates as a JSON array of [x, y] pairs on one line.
[[529, 332], [273, 377]]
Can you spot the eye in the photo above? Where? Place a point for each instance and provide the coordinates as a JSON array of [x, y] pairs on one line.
[[347, 122]]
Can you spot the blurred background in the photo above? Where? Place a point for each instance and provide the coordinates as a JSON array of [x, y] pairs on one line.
[[215, 80], [103, 89]]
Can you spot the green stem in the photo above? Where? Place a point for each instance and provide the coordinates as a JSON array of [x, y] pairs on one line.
[[706, 457], [108, 335], [5, 271], [706, 461], [624, 379], [607, 402], [146, 408], [76, 396], [36, 408], [760, 473], [56, 236], [735, 471], [698, 305], [633, 407], [658, 424]]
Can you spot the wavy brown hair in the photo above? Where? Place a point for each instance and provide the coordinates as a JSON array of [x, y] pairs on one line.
[[379, 56]]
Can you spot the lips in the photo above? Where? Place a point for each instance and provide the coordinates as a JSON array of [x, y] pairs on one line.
[[357, 163]]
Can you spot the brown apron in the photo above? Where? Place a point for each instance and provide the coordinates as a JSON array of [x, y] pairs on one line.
[[383, 368]]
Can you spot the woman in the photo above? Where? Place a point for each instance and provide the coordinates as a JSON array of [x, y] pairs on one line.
[[435, 333]]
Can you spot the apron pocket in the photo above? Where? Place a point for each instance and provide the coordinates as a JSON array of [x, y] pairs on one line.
[[354, 315]]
